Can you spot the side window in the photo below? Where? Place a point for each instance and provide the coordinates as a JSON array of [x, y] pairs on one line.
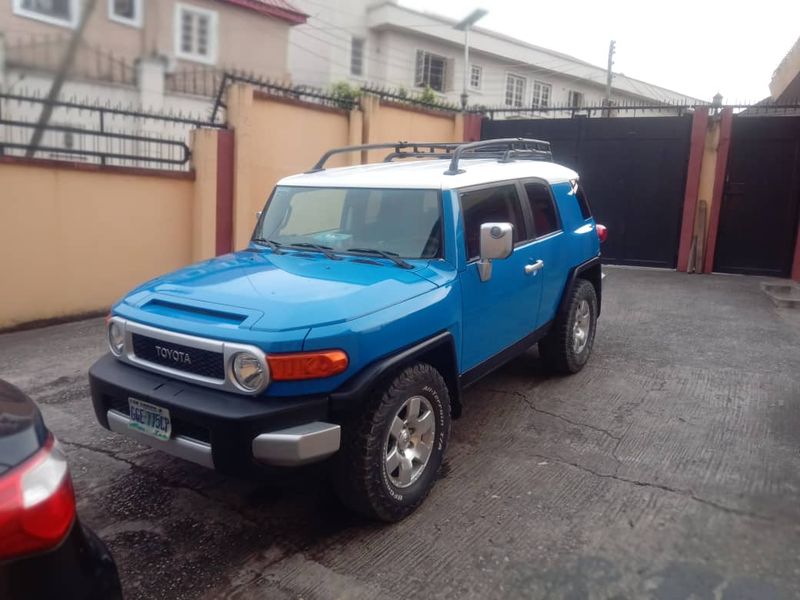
[[586, 212], [491, 205], [545, 218]]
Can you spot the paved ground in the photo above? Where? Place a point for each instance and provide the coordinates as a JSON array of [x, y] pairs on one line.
[[667, 469]]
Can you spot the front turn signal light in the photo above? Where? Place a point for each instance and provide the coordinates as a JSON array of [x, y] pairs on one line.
[[307, 365]]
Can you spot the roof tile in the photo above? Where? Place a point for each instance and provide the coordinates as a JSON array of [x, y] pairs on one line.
[[280, 9]]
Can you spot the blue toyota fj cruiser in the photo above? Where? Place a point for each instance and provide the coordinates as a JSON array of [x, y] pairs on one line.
[[368, 298]]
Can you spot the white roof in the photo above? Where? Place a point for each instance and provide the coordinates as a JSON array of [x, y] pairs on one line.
[[429, 174]]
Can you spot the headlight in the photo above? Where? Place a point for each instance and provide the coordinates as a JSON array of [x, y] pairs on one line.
[[248, 371], [116, 338]]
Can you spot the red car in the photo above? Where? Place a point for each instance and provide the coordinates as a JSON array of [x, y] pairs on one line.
[[45, 552]]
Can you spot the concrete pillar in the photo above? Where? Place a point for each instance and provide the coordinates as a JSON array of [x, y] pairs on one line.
[[151, 72], [796, 260], [458, 127], [204, 210], [725, 125], [689, 239], [355, 135], [371, 106], [240, 119]]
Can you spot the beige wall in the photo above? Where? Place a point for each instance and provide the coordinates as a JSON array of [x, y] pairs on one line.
[[73, 241], [275, 138], [247, 40], [120, 39], [388, 122]]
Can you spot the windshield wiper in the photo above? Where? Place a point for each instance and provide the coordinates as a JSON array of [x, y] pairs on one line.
[[392, 256], [326, 250], [271, 244]]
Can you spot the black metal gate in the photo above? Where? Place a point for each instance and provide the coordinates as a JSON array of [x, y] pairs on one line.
[[634, 174], [761, 199]]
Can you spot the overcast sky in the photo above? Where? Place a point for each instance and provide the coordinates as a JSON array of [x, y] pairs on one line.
[[696, 47]]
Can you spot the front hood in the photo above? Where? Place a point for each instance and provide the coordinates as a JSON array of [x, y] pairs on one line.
[[264, 291]]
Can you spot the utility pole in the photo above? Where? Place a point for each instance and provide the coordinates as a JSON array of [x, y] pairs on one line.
[[465, 25], [609, 76], [59, 77]]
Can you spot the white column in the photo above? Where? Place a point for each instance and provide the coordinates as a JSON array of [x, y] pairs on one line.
[[2, 60], [151, 73]]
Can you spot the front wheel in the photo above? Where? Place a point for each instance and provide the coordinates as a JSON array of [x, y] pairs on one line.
[[392, 450], [567, 346]]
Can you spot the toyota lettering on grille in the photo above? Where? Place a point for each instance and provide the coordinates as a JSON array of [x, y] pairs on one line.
[[175, 356]]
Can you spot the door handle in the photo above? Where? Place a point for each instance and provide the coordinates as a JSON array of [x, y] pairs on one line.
[[534, 268]]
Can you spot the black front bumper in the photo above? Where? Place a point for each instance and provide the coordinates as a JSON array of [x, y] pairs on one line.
[[81, 567], [228, 422]]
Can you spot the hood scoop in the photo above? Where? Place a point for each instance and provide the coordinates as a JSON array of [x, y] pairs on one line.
[[198, 314]]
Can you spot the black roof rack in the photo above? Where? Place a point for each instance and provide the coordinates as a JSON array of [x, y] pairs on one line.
[[505, 150]]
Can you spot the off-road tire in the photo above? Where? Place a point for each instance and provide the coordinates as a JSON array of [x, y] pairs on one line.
[[557, 349], [360, 476]]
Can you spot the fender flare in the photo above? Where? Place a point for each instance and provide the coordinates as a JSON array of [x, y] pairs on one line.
[[353, 392], [573, 275]]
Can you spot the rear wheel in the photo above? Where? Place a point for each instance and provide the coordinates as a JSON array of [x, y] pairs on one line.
[[392, 450], [567, 346]]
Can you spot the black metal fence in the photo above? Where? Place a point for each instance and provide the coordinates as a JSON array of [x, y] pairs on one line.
[[402, 96], [310, 94], [93, 133], [90, 63], [631, 109], [202, 81]]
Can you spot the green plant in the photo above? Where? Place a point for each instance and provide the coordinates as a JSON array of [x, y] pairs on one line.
[[345, 95], [428, 96], [402, 92]]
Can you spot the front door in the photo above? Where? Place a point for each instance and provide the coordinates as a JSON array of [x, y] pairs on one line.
[[503, 310]]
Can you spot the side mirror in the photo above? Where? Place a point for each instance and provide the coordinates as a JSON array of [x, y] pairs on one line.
[[497, 243]]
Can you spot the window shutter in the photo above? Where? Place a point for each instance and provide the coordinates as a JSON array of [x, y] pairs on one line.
[[419, 75]]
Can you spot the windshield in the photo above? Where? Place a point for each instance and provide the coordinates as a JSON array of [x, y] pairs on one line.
[[403, 223]]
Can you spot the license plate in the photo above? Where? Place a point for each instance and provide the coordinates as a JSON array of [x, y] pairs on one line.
[[150, 419]]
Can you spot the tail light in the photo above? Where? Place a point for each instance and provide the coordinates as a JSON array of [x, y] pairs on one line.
[[37, 503], [602, 232]]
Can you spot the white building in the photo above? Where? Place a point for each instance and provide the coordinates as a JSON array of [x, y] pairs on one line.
[[383, 43]]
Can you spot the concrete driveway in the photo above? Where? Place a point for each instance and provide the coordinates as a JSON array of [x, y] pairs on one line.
[[667, 469]]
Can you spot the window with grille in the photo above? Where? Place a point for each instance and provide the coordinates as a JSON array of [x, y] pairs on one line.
[[357, 56], [431, 71], [575, 99], [541, 94], [475, 77], [128, 12], [195, 34], [515, 90], [56, 12]]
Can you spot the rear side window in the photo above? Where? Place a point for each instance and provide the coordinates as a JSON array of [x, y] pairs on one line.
[[490, 205], [545, 218], [586, 212]]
